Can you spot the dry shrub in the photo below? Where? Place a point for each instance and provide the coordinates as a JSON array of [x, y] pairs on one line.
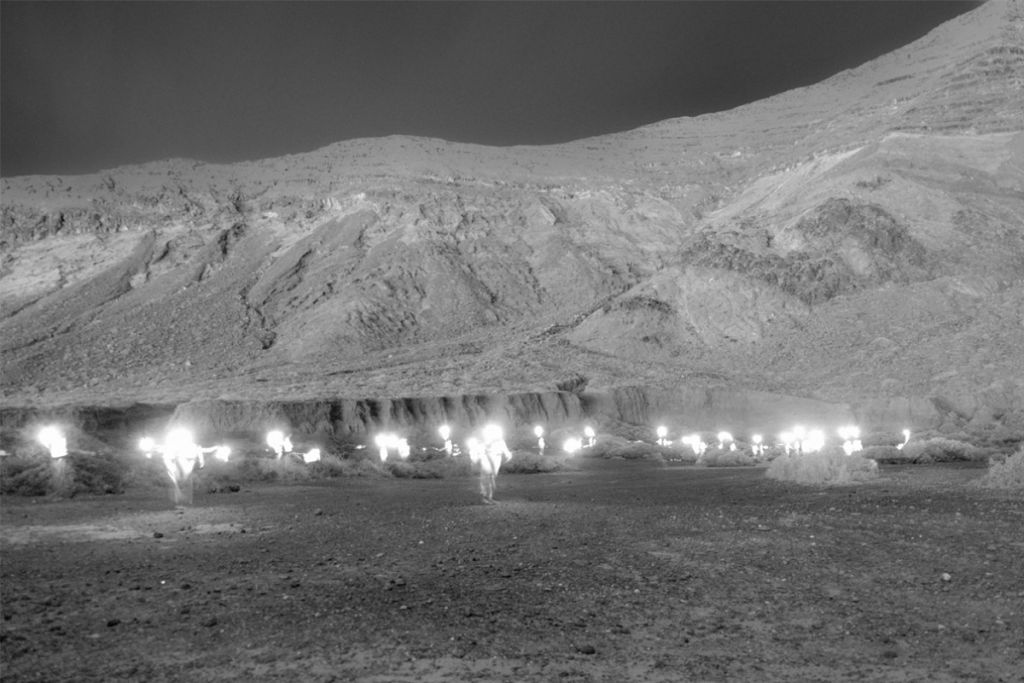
[[716, 457], [614, 447], [1008, 474], [526, 462], [939, 450], [38, 475], [829, 467], [883, 454]]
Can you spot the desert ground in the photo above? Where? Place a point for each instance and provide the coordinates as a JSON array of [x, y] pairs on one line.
[[616, 571]]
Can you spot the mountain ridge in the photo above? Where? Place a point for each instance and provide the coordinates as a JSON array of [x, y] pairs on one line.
[[819, 243]]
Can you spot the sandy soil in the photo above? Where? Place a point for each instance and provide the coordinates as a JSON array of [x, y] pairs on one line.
[[622, 571]]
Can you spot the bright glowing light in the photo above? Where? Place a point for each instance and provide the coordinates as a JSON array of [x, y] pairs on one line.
[[851, 439], [147, 445], [696, 445], [312, 456], [788, 439], [445, 431], [52, 440], [492, 432], [475, 448], [906, 439], [662, 432], [278, 442], [222, 453], [758, 442], [724, 438], [538, 431], [403, 449], [591, 435], [572, 445], [813, 442], [385, 442]]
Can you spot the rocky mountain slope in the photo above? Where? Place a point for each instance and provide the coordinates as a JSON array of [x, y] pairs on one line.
[[859, 242]]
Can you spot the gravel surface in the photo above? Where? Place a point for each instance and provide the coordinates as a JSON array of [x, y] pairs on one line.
[[623, 571]]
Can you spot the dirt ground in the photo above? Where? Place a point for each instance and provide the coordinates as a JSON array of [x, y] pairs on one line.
[[622, 571]]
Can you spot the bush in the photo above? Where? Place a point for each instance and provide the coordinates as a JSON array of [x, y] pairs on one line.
[[830, 467], [1008, 474], [939, 450], [526, 462], [614, 447], [716, 457], [68, 476], [883, 454]]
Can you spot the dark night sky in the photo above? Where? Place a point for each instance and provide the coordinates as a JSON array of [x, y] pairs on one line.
[[92, 85]]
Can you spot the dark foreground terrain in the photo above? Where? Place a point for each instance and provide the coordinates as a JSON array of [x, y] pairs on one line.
[[623, 571]]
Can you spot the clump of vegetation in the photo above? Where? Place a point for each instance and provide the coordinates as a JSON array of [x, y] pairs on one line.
[[939, 450], [526, 462], [1005, 474], [720, 457], [41, 475], [615, 447], [829, 467]]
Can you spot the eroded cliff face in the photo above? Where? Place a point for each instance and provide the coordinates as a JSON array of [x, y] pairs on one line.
[[857, 243]]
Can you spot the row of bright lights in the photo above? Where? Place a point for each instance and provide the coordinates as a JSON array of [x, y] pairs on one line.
[[180, 444], [797, 439]]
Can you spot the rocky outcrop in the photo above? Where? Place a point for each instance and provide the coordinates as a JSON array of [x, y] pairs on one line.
[[358, 418]]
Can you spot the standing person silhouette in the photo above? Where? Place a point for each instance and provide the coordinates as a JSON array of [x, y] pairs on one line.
[[490, 453]]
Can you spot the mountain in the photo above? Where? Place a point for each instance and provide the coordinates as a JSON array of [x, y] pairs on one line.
[[857, 245]]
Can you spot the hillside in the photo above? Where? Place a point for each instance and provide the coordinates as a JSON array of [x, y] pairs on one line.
[[859, 242]]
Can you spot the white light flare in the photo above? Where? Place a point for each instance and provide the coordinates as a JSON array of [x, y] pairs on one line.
[[446, 435], [181, 454], [312, 456], [788, 440], [385, 443], [813, 442], [725, 440], [53, 440], [572, 445], [850, 435], [279, 443], [222, 453], [147, 445], [696, 445]]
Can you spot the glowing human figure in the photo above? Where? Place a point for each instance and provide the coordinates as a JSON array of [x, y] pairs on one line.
[[490, 452], [591, 435], [539, 433], [758, 444], [446, 433], [181, 454], [662, 433]]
